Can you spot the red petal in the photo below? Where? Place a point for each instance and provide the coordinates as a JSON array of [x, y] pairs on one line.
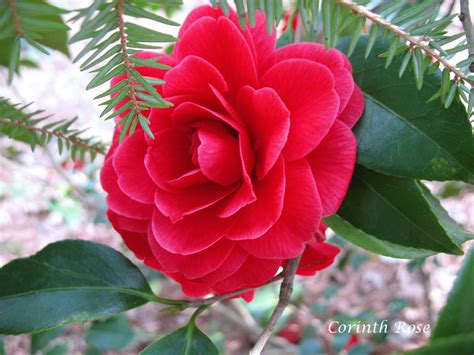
[[169, 157], [332, 163], [257, 218], [317, 256], [191, 288], [133, 178], [268, 122], [333, 59], [231, 264], [220, 42], [192, 77], [117, 201], [190, 235], [307, 89], [179, 203], [128, 224], [190, 178], [354, 108], [189, 113], [241, 198], [197, 14], [136, 240], [218, 154], [299, 220], [254, 272], [195, 265]]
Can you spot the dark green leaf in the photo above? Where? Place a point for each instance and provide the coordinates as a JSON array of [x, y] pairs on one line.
[[371, 243], [40, 341], [68, 281], [457, 233], [14, 58], [394, 210], [189, 340], [111, 334], [456, 318], [460, 344], [400, 134]]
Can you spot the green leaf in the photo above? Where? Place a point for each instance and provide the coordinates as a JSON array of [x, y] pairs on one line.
[[395, 210], [457, 233], [2, 348], [68, 281], [111, 334], [460, 344], [189, 340], [40, 341], [372, 243], [14, 59], [400, 133], [456, 316]]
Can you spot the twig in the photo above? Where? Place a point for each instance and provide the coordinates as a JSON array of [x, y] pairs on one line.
[[16, 19], [465, 17], [125, 55], [286, 289], [249, 327], [98, 149], [375, 18]]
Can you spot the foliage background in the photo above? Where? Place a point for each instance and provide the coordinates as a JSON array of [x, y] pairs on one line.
[[44, 198]]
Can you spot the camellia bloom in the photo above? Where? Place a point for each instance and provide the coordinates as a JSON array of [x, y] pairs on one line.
[[255, 151]]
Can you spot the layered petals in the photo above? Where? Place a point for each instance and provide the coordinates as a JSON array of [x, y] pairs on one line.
[[307, 89], [255, 149], [299, 219], [332, 164]]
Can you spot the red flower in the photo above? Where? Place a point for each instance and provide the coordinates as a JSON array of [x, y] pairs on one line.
[[255, 151]]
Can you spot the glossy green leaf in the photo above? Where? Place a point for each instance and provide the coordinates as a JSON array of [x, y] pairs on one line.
[[400, 133], [189, 340], [111, 334], [456, 317], [393, 210], [371, 243], [459, 345], [41, 340], [68, 281], [455, 231]]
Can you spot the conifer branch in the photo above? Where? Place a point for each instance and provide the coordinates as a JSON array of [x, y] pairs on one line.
[[16, 19], [423, 44], [19, 125], [100, 149]]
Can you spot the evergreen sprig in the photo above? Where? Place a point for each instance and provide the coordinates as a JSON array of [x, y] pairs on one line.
[[36, 23], [248, 9], [19, 125], [112, 41]]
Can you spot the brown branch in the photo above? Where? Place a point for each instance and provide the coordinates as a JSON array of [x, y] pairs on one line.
[[125, 55], [375, 18], [78, 142], [465, 17], [16, 19], [286, 289], [249, 326]]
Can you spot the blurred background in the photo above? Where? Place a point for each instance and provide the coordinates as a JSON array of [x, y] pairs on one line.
[[45, 197]]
